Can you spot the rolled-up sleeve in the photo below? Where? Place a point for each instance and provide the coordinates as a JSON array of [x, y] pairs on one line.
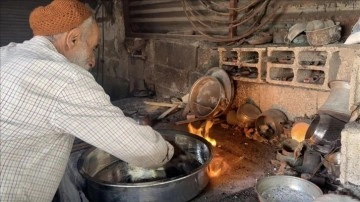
[[85, 111]]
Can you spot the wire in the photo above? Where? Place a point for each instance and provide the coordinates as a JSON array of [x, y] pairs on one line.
[[238, 9], [196, 12], [192, 23], [253, 27], [260, 10], [212, 10], [249, 15], [197, 19]]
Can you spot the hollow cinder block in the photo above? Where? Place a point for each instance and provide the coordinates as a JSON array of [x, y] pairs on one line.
[[350, 153], [244, 64], [307, 67]]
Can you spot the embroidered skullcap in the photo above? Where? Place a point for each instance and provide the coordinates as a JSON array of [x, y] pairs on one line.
[[58, 17]]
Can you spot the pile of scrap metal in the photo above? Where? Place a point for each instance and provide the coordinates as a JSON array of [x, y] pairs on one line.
[[316, 156]]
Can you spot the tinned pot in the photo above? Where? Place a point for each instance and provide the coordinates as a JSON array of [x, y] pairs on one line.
[[182, 188]]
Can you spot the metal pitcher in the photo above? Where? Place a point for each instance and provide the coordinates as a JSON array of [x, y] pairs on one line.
[[337, 104]]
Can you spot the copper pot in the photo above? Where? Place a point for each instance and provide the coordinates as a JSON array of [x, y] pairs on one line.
[[270, 123]]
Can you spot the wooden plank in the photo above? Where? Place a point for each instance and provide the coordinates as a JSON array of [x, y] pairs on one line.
[[190, 120], [160, 104], [168, 111]]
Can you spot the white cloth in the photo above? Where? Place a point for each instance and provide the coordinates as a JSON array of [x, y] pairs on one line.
[[44, 99]]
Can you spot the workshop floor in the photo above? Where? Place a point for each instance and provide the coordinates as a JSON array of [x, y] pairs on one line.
[[240, 162], [237, 161]]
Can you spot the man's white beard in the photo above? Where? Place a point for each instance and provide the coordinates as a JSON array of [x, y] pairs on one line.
[[80, 57]]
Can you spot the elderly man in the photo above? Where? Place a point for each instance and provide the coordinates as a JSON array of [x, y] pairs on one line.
[[48, 97]]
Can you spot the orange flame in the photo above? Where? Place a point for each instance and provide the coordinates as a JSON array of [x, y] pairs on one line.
[[203, 131], [217, 166]]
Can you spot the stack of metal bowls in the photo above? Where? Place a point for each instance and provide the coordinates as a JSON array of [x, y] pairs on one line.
[[211, 95]]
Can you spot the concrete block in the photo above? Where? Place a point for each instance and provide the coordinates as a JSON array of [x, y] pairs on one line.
[[167, 92], [349, 56], [174, 80], [354, 82], [194, 76], [207, 58], [111, 68], [295, 97], [307, 67], [244, 60], [244, 91], [293, 101], [350, 154], [175, 55], [136, 73], [116, 88]]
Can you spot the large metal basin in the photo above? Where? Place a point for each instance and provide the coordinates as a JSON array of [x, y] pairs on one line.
[[182, 188]]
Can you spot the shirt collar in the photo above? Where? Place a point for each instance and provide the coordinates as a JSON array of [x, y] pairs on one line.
[[43, 41]]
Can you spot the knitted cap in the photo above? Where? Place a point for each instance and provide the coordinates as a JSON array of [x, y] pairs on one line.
[[58, 17]]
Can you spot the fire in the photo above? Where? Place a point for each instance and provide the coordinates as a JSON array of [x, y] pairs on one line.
[[203, 131], [217, 166]]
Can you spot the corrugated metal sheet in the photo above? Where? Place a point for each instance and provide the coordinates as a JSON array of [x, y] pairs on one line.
[[14, 19], [167, 17]]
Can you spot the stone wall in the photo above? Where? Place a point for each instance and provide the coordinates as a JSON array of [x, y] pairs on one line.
[[173, 66], [112, 69]]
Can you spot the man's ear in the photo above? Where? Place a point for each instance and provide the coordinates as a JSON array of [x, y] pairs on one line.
[[72, 38]]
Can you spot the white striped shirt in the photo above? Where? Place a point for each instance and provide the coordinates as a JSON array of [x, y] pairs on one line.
[[45, 102]]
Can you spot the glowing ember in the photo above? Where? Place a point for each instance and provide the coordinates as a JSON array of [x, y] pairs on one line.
[[217, 166], [299, 130], [203, 131]]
